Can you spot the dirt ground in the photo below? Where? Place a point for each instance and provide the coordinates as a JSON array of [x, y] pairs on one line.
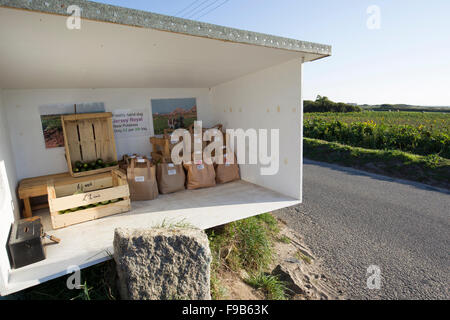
[[295, 255]]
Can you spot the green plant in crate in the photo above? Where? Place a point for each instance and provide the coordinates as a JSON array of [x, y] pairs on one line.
[[93, 205], [80, 166]]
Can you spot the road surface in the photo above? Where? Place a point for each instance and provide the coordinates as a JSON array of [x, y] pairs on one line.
[[352, 220]]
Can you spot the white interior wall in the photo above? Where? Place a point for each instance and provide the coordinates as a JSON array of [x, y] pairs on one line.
[[8, 200], [268, 99], [251, 101], [6, 154], [22, 110]]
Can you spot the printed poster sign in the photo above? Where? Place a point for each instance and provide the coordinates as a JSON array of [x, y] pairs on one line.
[[130, 123], [51, 119], [173, 114]]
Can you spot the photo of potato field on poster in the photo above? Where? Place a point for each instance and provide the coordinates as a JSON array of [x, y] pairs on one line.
[[173, 114], [51, 119]]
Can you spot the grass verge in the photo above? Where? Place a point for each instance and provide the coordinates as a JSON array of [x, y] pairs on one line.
[[246, 245], [269, 284], [432, 169]]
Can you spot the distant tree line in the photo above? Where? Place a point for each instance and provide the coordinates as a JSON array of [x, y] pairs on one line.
[[323, 104], [406, 107]]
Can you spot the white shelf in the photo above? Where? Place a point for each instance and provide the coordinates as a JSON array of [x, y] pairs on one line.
[[91, 242]]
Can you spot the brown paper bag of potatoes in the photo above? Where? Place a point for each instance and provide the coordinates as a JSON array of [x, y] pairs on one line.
[[141, 176], [200, 175], [170, 177], [227, 171]]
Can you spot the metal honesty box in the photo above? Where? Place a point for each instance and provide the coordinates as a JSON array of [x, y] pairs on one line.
[[25, 243]]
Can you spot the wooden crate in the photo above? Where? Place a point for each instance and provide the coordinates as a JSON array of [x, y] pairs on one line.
[[161, 149], [100, 188], [88, 137], [162, 146], [205, 143]]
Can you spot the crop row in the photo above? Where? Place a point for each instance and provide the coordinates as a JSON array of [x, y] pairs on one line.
[[433, 121], [415, 139]]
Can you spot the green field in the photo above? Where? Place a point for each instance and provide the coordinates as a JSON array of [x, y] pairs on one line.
[[434, 121], [408, 145], [414, 132], [160, 122]]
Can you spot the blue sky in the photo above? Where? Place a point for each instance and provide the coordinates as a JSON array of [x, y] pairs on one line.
[[407, 60], [163, 106]]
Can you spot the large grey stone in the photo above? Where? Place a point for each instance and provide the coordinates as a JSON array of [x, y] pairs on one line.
[[162, 263]]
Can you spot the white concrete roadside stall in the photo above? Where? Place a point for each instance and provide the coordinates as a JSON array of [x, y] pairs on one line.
[[124, 58]]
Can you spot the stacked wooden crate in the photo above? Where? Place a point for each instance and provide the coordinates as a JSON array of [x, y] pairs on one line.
[[90, 194], [162, 146], [89, 137], [75, 200]]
